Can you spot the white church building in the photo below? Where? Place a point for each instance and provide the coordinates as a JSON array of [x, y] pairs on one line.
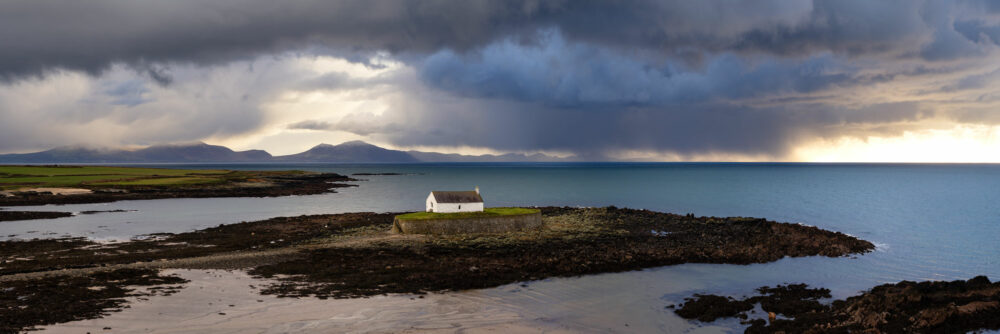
[[455, 201]]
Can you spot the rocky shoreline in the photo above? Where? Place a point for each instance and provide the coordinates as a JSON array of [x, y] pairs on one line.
[[265, 184], [29, 215], [904, 307], [572, 242], [355, 255], [246, 238], [28, 303]]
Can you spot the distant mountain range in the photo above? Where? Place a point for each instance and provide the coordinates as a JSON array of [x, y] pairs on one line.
[[348, 152]]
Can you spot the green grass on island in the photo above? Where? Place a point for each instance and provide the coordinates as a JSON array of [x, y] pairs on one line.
[[487, 212], [18, 177]]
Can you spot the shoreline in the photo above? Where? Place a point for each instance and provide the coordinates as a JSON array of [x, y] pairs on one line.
[[959, 306], [345, 256], [640, 238], [196, 309], [311, 185], [9, 216]]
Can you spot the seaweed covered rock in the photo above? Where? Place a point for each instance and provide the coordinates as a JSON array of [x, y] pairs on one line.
[[904, 307], [28, 303]]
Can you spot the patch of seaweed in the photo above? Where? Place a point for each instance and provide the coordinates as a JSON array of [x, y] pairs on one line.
[[57, 299], [28, 215], [905, 307]]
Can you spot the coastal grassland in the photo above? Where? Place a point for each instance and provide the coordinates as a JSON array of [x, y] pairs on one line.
[[487, 212], [100, 170], [166, 181], [40, 185], [14, 177]]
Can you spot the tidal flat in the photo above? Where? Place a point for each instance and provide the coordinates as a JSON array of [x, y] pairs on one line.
[[355, 255]]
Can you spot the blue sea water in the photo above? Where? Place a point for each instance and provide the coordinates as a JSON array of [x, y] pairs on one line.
[[930, 221]]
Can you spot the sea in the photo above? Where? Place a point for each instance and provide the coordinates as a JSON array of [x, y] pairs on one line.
[[928, 221]]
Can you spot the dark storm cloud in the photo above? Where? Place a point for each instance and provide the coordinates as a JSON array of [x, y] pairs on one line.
[[989, 6], [583, 76], [129, 93], [979, 31], [589, 77], [560, 74], [850, 26], [688, 130], [90, 35]]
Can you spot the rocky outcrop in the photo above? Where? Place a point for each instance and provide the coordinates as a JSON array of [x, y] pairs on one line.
[[28, 215], [571, 242], [904, 307]]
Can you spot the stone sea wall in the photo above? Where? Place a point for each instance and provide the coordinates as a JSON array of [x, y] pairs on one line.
[[500, 224]]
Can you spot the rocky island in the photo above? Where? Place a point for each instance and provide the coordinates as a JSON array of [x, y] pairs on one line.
[[355, 254]]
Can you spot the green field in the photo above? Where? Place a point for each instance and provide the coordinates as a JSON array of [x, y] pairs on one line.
[[487, 212], [16, 177], [164, 181]]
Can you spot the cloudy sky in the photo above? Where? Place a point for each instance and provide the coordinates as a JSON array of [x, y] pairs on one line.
[[758, 80]]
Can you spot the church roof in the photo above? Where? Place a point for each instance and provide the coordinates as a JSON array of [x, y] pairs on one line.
[[457, 197]]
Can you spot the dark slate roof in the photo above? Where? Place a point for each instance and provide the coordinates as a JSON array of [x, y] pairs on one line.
[[457, 197]]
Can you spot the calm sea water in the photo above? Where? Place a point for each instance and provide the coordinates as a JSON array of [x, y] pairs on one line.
[[930, 222]]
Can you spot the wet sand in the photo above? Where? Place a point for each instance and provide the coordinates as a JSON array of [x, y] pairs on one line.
[[505, 309], [225, 302]]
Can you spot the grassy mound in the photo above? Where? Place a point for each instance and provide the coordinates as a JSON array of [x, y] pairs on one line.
[[488, 212]]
